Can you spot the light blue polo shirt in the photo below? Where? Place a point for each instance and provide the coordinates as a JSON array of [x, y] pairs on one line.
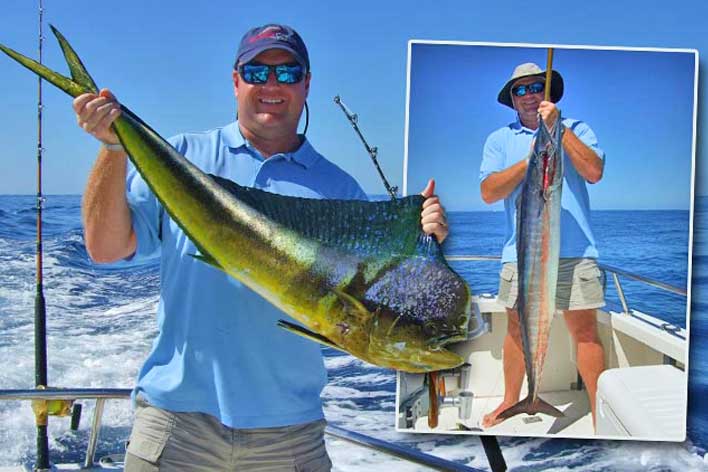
[[218, 349], [507, 146]]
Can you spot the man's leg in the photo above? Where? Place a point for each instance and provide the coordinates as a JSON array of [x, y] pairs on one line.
[[514, 368], [582, 325]]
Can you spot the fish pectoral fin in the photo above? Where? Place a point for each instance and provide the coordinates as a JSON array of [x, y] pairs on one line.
[[306, 333], [352, 302], [207, 259]]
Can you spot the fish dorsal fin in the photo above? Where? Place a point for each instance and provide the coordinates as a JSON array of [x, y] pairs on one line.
[[306, 333], [390, 227]]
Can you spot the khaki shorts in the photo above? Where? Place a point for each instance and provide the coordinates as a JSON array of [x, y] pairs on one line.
[[165, 441], [580, 285]]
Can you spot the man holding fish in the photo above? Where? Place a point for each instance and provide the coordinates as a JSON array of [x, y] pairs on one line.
[[221, 374], [505, 163]]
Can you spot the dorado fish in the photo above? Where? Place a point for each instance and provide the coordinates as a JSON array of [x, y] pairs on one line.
[[359, 276], [538, 212]]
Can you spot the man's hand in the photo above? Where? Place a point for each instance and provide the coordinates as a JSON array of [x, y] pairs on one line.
[[96, 113], [433, 218], [549, 113]]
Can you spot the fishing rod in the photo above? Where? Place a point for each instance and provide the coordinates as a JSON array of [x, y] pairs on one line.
[[40, 312], [43, 408], [373, 151]]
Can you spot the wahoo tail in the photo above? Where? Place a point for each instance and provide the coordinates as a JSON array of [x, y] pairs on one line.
[[531, 407]]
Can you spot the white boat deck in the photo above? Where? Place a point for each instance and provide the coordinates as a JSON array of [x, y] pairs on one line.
[[574, 404], [630, 340]]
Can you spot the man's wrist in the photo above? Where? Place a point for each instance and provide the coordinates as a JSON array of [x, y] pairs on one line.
[[113, 147]]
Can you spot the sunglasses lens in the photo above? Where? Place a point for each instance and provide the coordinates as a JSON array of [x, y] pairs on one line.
[[288, 73], [255, 73], [519, 90], [536, 87]]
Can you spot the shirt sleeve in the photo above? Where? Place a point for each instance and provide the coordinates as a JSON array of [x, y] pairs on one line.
[[354, 190], [146, 211], [493, 158], [587, 136]]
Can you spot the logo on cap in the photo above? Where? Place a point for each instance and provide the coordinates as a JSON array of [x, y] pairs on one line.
[[271, 32]]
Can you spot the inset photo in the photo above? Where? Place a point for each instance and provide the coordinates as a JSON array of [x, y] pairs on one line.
[[568, 176]]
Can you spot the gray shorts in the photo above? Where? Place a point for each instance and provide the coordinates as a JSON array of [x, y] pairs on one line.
[[580, 285], [167, 441]]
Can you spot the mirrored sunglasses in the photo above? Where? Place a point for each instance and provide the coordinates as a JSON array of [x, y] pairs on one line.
[[256, 73], [521, 90]]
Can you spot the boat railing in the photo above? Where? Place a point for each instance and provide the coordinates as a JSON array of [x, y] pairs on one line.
[[614, 271], [101, 395]]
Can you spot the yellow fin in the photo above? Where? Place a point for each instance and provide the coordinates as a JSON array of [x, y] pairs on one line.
[[306, 333]]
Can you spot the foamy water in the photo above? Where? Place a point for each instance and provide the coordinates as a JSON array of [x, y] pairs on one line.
[[101, 324]]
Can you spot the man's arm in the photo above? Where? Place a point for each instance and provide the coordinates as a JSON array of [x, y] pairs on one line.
[[585, 160], [499, 185], [108, 230]]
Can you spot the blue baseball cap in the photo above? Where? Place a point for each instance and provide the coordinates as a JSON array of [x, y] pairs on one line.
[[272, 36]]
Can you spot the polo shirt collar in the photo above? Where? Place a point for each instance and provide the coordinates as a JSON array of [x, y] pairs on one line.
[[305, 155], [518, 128]]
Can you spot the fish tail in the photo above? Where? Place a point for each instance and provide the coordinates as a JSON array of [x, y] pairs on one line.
[[78, 71], [541, 406], [531, 407], [73, 87]]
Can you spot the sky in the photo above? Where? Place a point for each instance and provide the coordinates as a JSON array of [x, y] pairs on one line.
[[172, 66], [648, 148]]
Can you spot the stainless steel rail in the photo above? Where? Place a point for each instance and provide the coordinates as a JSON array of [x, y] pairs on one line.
[[406, 453], [103, 394], [616, 272]]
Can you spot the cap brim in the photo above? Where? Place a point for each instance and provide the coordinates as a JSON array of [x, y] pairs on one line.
[[504, 96], [250, 55]]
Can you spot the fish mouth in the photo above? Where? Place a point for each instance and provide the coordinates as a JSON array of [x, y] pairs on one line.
[[421, 361], [442, 359]]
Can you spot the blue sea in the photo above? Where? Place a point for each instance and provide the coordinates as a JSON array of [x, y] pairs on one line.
[[101, 323]]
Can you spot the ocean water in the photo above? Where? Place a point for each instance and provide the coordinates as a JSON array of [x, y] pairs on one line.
[[101, 324]]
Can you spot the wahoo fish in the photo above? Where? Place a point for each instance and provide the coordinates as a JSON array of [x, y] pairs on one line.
[[538, 212], [358, 276]]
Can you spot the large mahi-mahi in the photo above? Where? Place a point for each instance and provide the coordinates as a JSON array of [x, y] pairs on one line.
[[538, 213], [360, 276]]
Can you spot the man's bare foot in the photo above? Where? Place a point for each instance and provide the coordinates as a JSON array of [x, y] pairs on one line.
[[490, 419]]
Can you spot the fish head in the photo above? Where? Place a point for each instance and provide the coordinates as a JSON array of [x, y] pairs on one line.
[[545, 170], [419, 305]]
